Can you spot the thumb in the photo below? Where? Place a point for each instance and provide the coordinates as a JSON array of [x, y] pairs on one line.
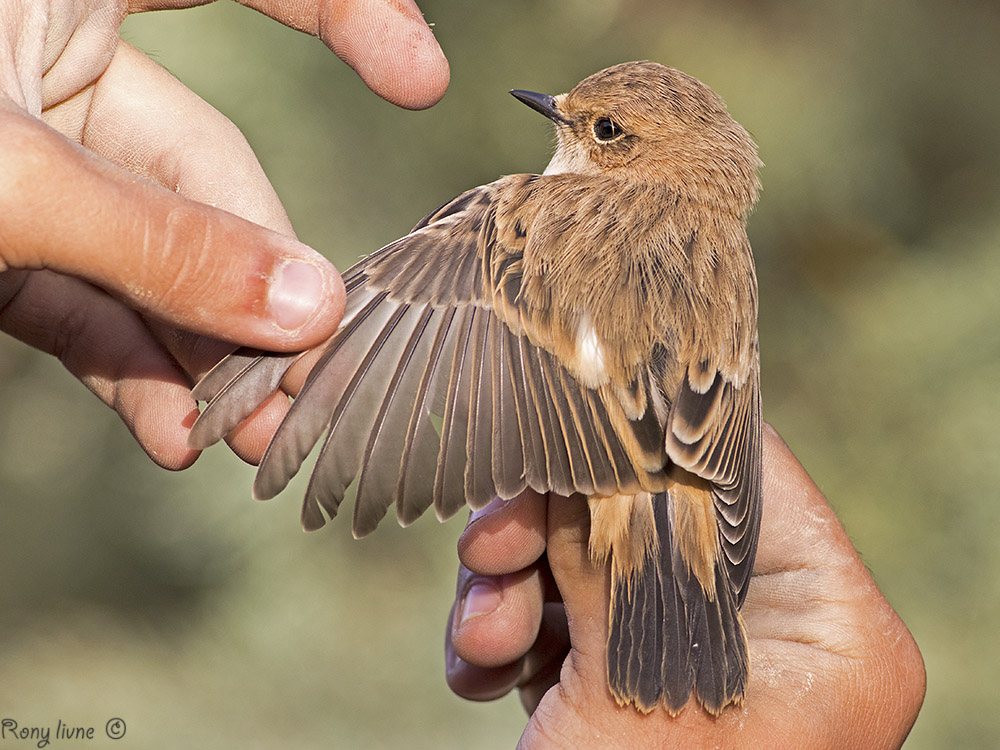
[[182, 262], [583, 586]]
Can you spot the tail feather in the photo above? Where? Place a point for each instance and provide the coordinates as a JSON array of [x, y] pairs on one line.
[[668, 636]]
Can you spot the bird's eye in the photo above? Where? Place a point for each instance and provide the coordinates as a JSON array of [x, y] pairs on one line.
[[606, 129]]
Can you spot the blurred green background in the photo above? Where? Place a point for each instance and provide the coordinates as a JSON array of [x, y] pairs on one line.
[[205, 619]]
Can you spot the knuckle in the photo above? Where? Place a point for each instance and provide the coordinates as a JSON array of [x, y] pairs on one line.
[[176, 260]]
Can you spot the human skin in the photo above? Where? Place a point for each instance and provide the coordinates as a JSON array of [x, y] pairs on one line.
[[138, 232], [832, 664]]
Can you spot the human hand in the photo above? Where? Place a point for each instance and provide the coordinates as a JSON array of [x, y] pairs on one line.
[[832, 665], [137, 228]]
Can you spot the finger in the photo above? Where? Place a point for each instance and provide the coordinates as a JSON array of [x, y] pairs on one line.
[[499, 597], [473, 682], [505, 536], [194, 266], [387, 43], [532, 673], [543, 664], [143, 119], [496, 618], [499, 601], [109, 349], [585, 588], [494, 622]]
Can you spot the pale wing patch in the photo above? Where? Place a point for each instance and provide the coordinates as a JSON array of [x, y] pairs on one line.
[[589, 368]]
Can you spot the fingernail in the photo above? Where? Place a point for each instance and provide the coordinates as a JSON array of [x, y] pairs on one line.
[[295, 294], [480, 599]]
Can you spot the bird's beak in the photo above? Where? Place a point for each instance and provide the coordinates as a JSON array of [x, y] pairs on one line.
[[540, 103]]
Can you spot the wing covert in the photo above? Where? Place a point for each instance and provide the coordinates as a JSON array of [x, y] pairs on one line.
[[715, 432], [430, 394]]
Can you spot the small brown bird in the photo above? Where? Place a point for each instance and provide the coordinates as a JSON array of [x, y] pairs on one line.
[[589, 330]]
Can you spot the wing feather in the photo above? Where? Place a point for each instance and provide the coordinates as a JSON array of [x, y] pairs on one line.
[[598, 464], [556, 454], [479, 489], [714, 432], [351, 422], [449, 479], [386, 442], [234, 389], [530, 423], [414, 491], [309, 415], [435, 330], [581, 479], [508, 443]]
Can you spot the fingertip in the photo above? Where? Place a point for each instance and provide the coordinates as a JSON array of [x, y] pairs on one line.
[[159, 416], [235, 281], [477, 683], [392, 48], [505, 537], [305, 298], [179, 457], [250, 439], [426, 81], [496, 618]]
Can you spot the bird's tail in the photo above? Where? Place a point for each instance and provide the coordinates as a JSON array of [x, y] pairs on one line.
[[674, 626]]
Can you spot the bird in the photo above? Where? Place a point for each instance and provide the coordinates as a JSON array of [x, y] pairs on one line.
[[588, 330]]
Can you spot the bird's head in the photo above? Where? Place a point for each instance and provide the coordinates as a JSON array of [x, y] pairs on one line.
[[649, 122]]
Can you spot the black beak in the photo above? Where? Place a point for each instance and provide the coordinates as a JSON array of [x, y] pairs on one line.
[[540, 103]]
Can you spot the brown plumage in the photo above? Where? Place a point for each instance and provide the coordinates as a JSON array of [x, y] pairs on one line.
[[590, 330]]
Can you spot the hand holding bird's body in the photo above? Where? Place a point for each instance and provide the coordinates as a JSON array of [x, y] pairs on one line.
[[590, 330]]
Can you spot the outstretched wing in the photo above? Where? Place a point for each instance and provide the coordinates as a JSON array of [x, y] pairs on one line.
[[433, 392]]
